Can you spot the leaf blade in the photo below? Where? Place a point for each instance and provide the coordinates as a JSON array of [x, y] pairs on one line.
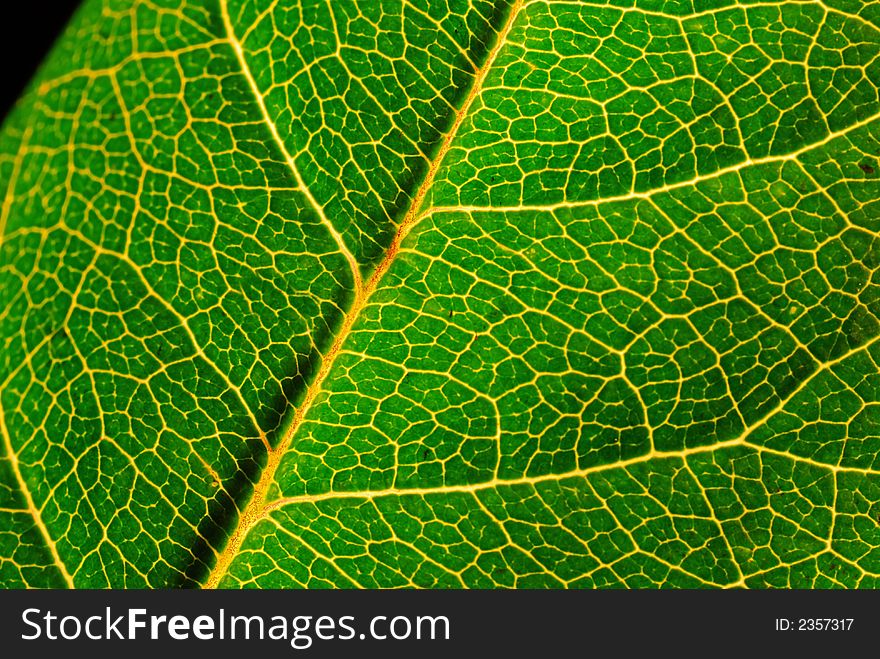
[[591, 306]]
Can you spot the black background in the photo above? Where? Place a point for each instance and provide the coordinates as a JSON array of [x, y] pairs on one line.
[[28, 28]]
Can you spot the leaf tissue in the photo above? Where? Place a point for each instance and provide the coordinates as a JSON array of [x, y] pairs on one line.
[[457, 293]]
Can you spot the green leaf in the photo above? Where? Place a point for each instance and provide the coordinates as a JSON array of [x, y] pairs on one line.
[[483, 294]]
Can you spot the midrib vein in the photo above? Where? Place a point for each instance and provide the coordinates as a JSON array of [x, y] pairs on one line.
[[288, 157], [257, 506]]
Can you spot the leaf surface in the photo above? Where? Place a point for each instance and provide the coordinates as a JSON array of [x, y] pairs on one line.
[[543, 293]]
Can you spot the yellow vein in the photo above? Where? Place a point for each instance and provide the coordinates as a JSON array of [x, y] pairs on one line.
[[501, 482], [255, 510], [648, 194], [740, 440], [31, 507], [291, 163]]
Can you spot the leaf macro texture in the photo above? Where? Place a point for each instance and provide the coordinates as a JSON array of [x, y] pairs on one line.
[[456, 293]]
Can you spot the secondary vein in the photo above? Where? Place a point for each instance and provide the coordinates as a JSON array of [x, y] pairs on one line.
[[291, 163], [740, 440], [794, 156], [31, 507]]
